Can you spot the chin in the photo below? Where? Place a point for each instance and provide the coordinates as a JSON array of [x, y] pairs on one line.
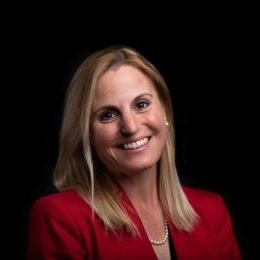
[[137, 167]]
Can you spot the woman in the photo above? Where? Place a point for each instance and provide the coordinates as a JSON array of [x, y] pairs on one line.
[[120, 196]]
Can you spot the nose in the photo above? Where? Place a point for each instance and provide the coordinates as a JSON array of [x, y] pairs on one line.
[[129, 124]]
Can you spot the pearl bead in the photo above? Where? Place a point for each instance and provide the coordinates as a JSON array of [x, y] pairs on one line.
[[158, 243]]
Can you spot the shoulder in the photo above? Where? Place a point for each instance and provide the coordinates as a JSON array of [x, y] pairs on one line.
[[196, 195], [57, 224], [64, 202], [205, 203], [214, 220]]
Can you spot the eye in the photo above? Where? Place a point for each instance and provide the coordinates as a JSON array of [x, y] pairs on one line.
[[107, 116], [142, 104]]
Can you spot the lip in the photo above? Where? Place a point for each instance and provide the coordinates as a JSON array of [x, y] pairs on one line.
[[134, 140], [139, 149]]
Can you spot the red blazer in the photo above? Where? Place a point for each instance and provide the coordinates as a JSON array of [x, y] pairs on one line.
[[61, 227]]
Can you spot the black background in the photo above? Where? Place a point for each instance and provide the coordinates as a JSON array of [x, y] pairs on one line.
[[208, 59]]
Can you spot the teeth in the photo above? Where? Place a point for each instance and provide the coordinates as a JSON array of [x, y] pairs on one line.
[[136, 144]]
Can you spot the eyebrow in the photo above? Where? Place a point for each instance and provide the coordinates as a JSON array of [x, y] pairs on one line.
[[114, 108]]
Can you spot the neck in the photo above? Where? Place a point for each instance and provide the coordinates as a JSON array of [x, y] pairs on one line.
[[141, 188]]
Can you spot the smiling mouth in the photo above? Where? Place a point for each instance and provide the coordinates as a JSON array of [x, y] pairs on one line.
[[135, 145]]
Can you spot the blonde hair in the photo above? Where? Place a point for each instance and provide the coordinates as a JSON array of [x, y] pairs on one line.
[[79, 167]]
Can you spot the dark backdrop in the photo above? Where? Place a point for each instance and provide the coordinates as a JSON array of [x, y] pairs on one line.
[[208, 63]]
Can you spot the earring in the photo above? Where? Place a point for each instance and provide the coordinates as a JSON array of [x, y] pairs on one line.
[[165, 121]]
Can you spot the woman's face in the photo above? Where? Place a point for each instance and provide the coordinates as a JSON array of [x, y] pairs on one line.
[[128, 130]]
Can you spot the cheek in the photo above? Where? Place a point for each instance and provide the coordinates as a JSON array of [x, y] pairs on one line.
[[103, 140], [156, 121], [160, 131], [103, 136]]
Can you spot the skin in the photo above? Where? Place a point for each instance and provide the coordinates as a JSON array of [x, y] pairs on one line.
[[135, 112], [127, 108]]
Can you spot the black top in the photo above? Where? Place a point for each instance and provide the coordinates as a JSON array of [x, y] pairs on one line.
[[172, 249]]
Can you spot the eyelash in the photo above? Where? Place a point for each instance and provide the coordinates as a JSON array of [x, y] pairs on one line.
[[147, 103], [104, 118], [104, 114]]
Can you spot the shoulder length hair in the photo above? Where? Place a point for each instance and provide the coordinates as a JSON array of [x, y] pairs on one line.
[[78, 166]]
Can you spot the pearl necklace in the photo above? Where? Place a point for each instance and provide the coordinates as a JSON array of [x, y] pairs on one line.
[[159, 243]]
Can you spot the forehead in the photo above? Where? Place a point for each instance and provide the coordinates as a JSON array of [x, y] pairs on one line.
[[124, 82]]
